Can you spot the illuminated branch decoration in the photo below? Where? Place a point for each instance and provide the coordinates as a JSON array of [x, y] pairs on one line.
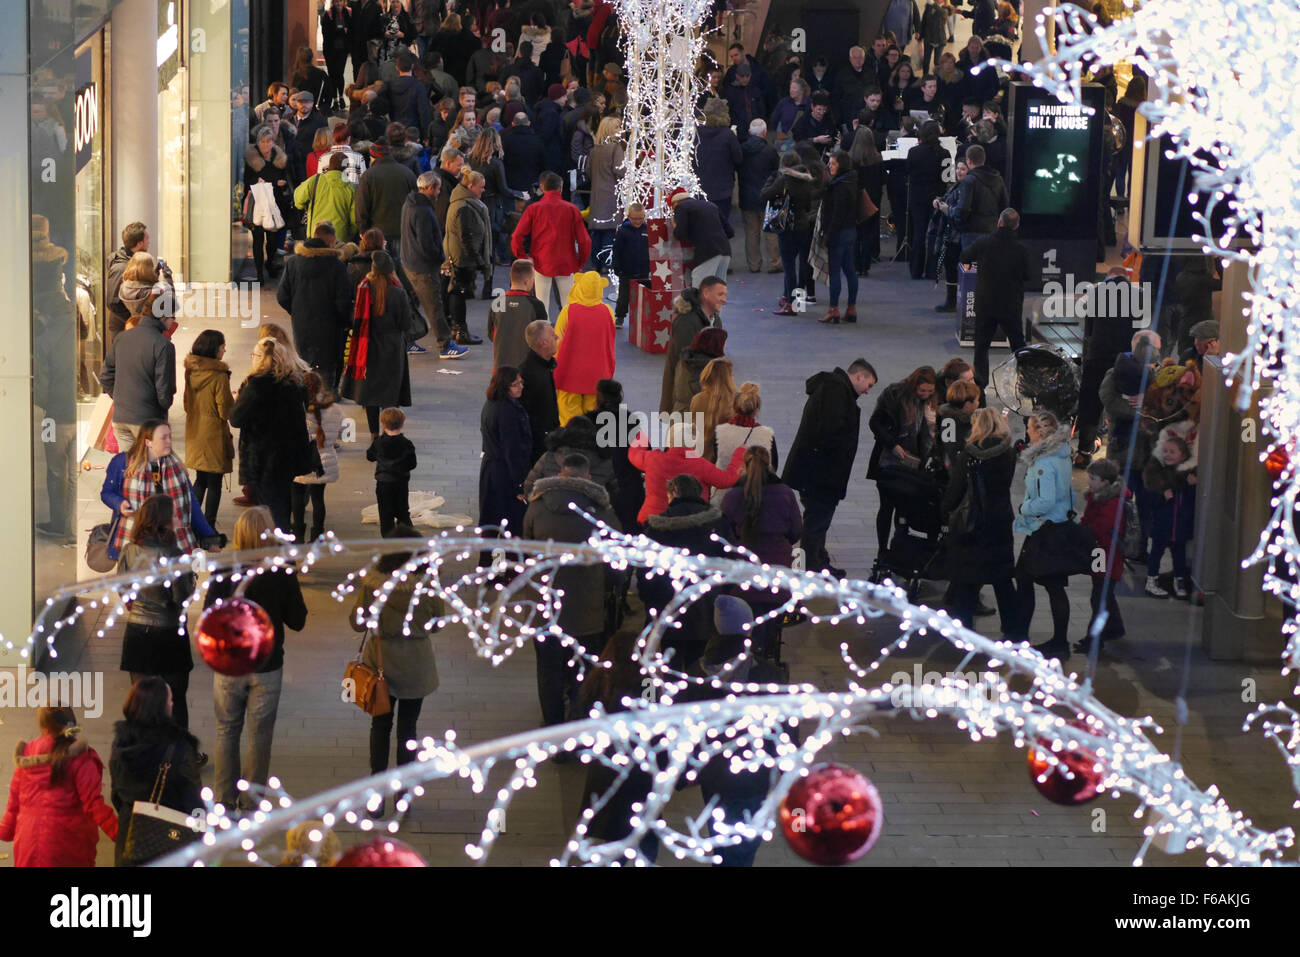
[[1212, 66], [662, 42], [749, 726]]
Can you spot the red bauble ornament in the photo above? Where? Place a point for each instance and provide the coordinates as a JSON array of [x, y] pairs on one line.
[[1084, 768], [381, 852], [235, 637], [833, 815]]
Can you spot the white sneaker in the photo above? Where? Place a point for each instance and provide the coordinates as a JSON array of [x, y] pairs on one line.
[[1180, 588], [1153, 588]]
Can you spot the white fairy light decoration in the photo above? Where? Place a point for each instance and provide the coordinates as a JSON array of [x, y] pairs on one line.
[[662, 44], [1213, 66], [748, 725]]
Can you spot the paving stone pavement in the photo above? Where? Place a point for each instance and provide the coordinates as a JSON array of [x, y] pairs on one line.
[[948, 800]]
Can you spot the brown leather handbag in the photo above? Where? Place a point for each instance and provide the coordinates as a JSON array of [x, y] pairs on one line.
[[368, 686]]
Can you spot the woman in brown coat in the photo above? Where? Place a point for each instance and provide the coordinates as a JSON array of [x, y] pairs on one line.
[[209, 448]]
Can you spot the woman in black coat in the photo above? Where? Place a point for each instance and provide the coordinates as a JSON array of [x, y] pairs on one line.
[[811, 158], [507, 451], [629, 481], [870, 167], [794, 180], [385, 379], [840, 230], [269, 412], [924, 185], [903, 424], [981, 551], [148, 737]]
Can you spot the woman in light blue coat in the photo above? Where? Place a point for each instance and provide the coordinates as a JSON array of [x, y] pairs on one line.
[[1048, 498]]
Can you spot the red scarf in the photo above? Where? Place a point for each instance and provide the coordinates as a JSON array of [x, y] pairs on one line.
[[744, 421], [359, 342]]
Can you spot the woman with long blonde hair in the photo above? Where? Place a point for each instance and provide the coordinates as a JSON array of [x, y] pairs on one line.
[[604, 166], [269, 412], [743, 430], [714, 404]]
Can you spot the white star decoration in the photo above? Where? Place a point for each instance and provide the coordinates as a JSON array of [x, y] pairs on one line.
[[662, 336], [663, 272]]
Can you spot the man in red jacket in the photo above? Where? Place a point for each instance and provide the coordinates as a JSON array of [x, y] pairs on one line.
[[552, 234]]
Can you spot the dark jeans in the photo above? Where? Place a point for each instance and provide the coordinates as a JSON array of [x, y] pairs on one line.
[[1090, 401], [867, 248], [1054, 585], [557, 678], [724, 207], [931, 53], [372, 420], [274, 493], [840, 253], [407, 711], [299, 494], [818, 512], [1177, 549], [207, 492], [985, 327], [625, 295], [805, 266], [394, 504], [791, 244], [179, 682], [332, 93], [265, 245], [964, 598], [884, 519], [1114, 627], [429, 294]]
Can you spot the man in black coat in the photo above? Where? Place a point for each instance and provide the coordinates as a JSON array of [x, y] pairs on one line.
[[139, 373], [1107, 331], [852, 82], [760, 77], [983, 197], [759, 161], [538, 372], [317, 294], [530, 75], [308, 120], [691, 523], [379, 198], [1004, 269], [699, 222], [550, 113], [422, 244], [408, 99], [821, 458], [924, 185], [525, 154], [551, 517]]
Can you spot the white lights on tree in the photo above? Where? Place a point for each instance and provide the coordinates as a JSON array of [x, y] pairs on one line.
[[662, 43], [1215, 66]]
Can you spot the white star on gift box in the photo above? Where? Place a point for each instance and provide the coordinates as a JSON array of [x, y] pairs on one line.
[[661, 337], [663, 272], [666, 315], [662, 249]]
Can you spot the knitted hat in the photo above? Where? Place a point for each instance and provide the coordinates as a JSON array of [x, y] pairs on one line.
[[1205, 329], [676, 195], [379, 147], [731, 616], [554, 91], [1128, 374], [1169, 374]]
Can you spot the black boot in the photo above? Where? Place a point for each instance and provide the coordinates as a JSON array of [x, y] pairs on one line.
[[949, 303], [300, 533], [461, 336]]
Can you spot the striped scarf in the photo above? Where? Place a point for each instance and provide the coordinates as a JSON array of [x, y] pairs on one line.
[[164, 477]]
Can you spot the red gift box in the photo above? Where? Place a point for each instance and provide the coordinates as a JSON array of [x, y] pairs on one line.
[[650, 317], [668, 256]]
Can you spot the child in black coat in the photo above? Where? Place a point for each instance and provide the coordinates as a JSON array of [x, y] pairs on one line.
[[631, 258], [394, 458]]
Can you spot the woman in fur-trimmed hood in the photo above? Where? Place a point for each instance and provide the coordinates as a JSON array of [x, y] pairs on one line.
[[56, 806]]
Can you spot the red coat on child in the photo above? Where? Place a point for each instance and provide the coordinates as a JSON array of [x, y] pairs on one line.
[[56, 825], [660, 466], [1100, 515]]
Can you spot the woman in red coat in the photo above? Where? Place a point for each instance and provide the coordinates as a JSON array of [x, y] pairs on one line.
[[1103, 514], [56, 805], [677, 459]]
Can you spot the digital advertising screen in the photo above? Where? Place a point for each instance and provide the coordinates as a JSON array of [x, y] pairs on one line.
[[1168, 217], [1055, 147]]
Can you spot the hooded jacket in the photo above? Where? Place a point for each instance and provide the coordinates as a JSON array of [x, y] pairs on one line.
[[840, 205], [579, 435], [688, 322], [1004, 270], [408, 662], [986, 553], [56, 825], [631, 253], [409, 103], [525, 156], [759, 160], [586, 331], [422, 239], [209, 446], [550, 517], [690, 524], [331, 424], [1171, 517], [138, 751], [1100, 514], [468, 243], [1048, 494], [983, 197], [333, 201], [821, 457], [139, 372], [804, 192], [318, 296], [686, 385], [551, 232]]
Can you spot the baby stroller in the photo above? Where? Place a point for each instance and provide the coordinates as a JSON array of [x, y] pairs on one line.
[[911, 556], [1037, 377]]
